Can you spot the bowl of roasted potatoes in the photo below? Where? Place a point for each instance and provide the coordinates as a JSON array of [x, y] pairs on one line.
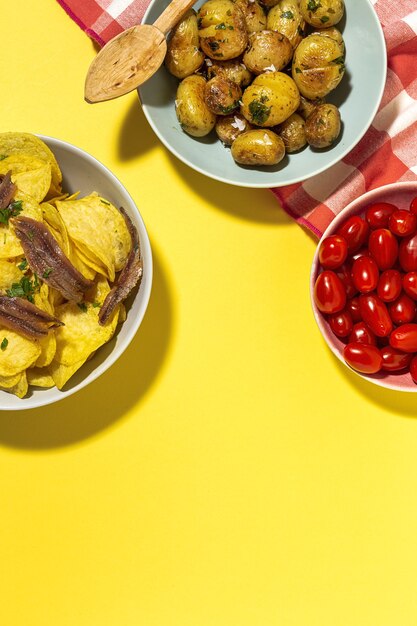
[[75, 269], [266, 93]]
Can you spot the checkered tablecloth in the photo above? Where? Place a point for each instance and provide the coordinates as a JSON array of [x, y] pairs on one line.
[[388, 151]]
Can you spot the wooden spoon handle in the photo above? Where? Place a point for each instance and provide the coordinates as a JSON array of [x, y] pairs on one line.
[[172, 14]]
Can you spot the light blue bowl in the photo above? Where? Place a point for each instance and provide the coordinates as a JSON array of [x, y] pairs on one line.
[[358, 97]]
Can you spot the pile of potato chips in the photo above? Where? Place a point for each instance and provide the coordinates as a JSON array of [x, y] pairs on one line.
[[93, 235]]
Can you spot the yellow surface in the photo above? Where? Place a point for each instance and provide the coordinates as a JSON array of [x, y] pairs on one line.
[[227, 471]]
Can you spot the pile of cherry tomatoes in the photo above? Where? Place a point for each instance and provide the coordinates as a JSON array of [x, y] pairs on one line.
[[367, 288]]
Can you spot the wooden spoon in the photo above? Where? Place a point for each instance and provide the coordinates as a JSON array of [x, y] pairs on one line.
[[130, 58]]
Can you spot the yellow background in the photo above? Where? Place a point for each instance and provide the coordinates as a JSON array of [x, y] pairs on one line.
[[227, 471]]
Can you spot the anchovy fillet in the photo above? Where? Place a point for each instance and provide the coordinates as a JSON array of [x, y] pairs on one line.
[[7, 190], [25, 318], [46, 258]]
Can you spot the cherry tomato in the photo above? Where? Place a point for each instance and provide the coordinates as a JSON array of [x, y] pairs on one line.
[[377, 215], [359, 253], [403, 310], [341, 323], [404, 338], [353, 308], [410, 284], [408, 254], [345, 275], [362, 334], [413, 206], [355, 230], [402, 223], [329, 292], [394, 360], [333, 252], [383, 247], [389, 285], [365, 274], [413, 369], [375, 314], [363, 358]]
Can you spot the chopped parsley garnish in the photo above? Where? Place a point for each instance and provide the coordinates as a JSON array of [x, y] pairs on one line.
[[313, 5], [24, 289], [23, 265], [4, 344], [221, 26], [47, 272], [324, 19], [3, 156], [288, 15], [82, 306], [338, 61], [259, 111], [96, 304], [12, 210], [230, 108]]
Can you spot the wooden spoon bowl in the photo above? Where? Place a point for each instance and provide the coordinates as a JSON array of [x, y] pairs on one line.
[[133, 56]]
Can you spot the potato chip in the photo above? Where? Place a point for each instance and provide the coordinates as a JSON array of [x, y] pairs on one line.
[[99, 229], [10, 273], [91, 261], [57, 227], [31, 175], [9, 243], [39, 377], [20, 389], [47, 343], [18, 143], [81, 334], [18, 353], [78, 262], [7, 382]]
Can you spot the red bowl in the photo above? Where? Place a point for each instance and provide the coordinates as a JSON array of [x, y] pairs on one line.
[[399, 194]]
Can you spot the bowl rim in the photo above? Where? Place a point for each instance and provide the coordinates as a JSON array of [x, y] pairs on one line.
[[43, 399], [352, 208], [294, 179]]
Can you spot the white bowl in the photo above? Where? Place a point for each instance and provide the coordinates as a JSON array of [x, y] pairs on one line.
[[399, 194], [358, 97], [82, 172]]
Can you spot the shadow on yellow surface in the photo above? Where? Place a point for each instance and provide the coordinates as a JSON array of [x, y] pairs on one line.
[[397, 402], [256, 205], [136, 136], [111, 396]]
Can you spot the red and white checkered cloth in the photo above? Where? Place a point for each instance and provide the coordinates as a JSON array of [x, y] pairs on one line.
[[388, 151]]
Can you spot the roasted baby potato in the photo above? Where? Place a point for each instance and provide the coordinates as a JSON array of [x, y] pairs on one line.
[[285, 17], [231, 126], [317, 67], [323, 126], [322, 13], [222, 95], [255, 17], [184, 56], [258, 147], [268, 4], [234, 70], [333, 33], [222, 29], [270, 99], [292, 133], [193, 114], [267, 50], [307, 106]]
